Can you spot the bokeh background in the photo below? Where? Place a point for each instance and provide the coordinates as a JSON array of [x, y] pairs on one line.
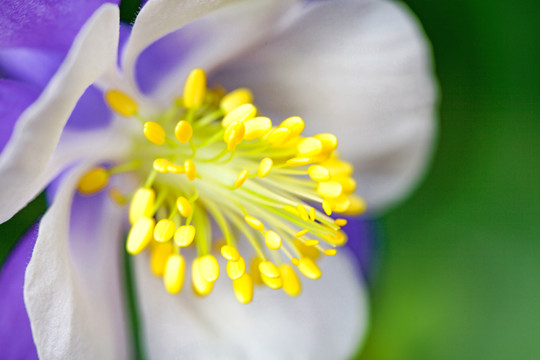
[[457, 270]]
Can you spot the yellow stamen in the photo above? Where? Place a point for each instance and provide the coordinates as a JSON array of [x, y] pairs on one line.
[[183, 131], [243, 289], [154, 133], [184, 206], [295, 124], [347, 182], [93, 181], [209, 267], [291, 282], [264, 167], [230, 253], [311, 242], [195, 89], [234, 134], [291, 209], [340, 222], [309, 268], [140, 235], [254, 270], [184, 235], [121, 103], [240, 114], [330, 189], [176, 169], [254, 222], [272, 282], [329, 141], [200, 285], [327, 207], [272, 240], [357, 206], [191, 170], [269, 269], [236, 269], [330, 252], [295, 261], [309, 147], [241, 178], [312, 214], [319, 173], [161, 165], [302, 212], [257, 127], [118, 197], [142, 204], [174, 274], [301, 233], [164, 230], [235, 98], [279, 136], [299, 161], [160, 254], [339, 239]]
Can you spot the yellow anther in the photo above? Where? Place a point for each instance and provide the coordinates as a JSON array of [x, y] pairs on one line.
[[279, 136], [209, 267], [241, 179], [269, 269], [257, 127], [339, 239], [291, 209], [117, 196], [329, 189], [357, 206], [254, 222], [161, 165], [183, 131], [176, 169], [243, 289], [301, 233], [154, 132], [347, 182], [329, 141], [230, 253], [240, 114], [264, 167], [191, 170], [309, 147], [160, 254], [305, 250], [184, 206], [338, 167], [195, 89], [236, 269], [340, 222], [272, 240], [302, 212], [312, 214], [299, 161], [234, 134], [164, 230], [311, 242], [295, 124], [309, 268], [319, 173], [174, 274], [327, 207], [272, 282], [140, 235], [291, 282], [121, 103], [200, 285], [234, 99], [295, 261], [142, 204], [330, 252], [341, 203], [93, 181], [254, 270], [184, 235]]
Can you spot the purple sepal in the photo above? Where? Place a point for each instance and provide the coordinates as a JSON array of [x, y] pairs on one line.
[[362, 233], [91, 111]]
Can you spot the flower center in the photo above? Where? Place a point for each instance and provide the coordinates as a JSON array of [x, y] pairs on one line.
[[210, 158]]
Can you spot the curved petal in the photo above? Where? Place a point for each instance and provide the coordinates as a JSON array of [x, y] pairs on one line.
[[327, 321], [33, 66], [37, 131], [73, 287], [360, 69]]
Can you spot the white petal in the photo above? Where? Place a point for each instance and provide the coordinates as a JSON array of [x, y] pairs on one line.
[[73, 287], [359, 69], [221, 35], [29, 151], [327, 321]]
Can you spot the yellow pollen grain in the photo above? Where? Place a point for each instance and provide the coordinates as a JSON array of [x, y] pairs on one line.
[[295, 124], [309, 268], [175, 271], [161, 165], [243, 289], [269, 269], [184, 206], [241, 113], [191, 170], [311, 242], [272, 240], [230, 253], [236, 269], [241, 179], [164, 230], [254, 222], [93, 181], [301, 233], [140, 235], [319, 173], [184, 235], [235, 98], [330, 252], [298, 161], [209, 267], [302, 212], [309, 147], [195, 89], [272, 282], [329, 189], [121, 103], [154, 132], [264, 167], [160, 254], [200, 285], [142, 204], [291, 282], [312, 214], [329, 141], [279, 136], [257, 127], [340, 222], [183, 131]]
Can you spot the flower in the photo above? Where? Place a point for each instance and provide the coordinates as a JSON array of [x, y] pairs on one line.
[[298, 59]]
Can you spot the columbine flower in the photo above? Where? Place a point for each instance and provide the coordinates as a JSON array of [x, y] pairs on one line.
[[181, 155]]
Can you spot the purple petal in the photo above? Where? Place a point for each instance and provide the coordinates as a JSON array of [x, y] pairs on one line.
[[91, 111], [15, 96], [33, 66], [44, 24], [362, 241], [15, 334]]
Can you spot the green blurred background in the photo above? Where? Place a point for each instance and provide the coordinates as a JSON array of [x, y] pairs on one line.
[[458, 274]]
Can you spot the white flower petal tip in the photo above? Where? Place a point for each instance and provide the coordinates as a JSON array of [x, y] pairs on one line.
[[27, 155], [363, 67]]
